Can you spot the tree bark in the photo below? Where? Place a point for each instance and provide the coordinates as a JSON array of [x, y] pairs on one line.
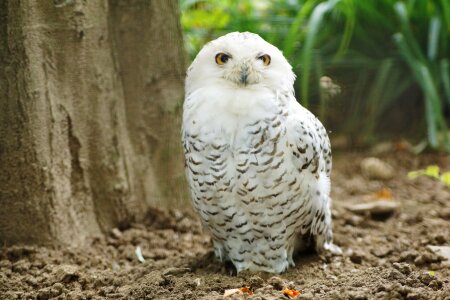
[[89, 135]]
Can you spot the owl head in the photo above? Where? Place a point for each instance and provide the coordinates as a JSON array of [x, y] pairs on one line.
[[240, 60]]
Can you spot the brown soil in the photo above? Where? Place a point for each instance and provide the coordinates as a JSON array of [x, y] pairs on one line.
[[385, 257]]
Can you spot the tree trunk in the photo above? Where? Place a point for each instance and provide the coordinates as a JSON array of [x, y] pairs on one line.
[[89, 118]]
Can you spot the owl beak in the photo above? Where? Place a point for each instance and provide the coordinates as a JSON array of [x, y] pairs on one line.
[[244, 74], [243, 79]]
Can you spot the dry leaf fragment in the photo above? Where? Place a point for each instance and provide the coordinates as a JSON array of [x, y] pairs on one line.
[[402, 146], [384, 193], [240, 291], [291, 293], [230, 292], [246, 290]]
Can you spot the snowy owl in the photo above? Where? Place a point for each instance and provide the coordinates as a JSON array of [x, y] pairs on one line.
[[258, 163]]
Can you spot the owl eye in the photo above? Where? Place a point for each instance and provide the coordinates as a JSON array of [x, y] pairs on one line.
[[222, 58], [265, 59]]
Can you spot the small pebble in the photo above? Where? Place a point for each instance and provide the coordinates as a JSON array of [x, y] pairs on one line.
[[116, 233], [197, 281], [375, 168], [354, 220], [356, 257], [443, 251], [44, 294], [276, 282], [444, 213], [307, 296], [21, 266], [395, 275], [357, 295], [409, 255], [422, 259], [435, 284], [413, 296], [66, 273], [403, 268], [56, 289], [381, 251], [256, 282], [426, 278]]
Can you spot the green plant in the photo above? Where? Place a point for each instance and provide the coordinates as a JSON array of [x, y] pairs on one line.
[[430, 65], [384, 53], [433, 172]]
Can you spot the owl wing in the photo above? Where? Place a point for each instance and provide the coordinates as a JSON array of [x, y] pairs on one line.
[[311, 156], [309, 142], [207, 172]]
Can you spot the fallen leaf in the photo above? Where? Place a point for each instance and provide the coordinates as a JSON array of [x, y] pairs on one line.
[[240, 291], [291, 293], [230, 292], [445, 178], [415, 174], [402, 146], [246, 290], [384, 193], [432, 171]]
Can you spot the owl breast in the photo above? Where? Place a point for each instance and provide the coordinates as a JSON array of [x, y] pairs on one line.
[[246, 188]]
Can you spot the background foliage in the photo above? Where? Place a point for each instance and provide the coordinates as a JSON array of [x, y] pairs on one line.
[[391, 58]]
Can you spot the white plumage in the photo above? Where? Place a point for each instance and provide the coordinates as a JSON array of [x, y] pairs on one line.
[[257, 162]]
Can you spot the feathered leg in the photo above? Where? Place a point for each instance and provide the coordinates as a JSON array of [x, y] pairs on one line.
[[321, 229]]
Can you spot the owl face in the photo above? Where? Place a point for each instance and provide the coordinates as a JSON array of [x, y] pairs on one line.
[[241, 61], [243, 70]]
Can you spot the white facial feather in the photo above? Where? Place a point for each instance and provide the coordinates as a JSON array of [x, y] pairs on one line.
[[244, 50]]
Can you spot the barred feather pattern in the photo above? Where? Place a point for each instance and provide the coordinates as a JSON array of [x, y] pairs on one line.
[[260, 181]]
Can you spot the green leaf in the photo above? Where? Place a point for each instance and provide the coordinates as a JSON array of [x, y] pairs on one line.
[[350, 20], [432, 171], [314, 25], [415, 174], [348, 40], [293, 35], [445, 178], [433, 38], [445, 75]]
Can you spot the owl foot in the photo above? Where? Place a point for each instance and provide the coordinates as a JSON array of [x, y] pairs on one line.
[[230, 268], [334, 249], [325, 243]]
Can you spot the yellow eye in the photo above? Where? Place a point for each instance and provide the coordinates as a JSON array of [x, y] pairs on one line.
[[222, 58], [265, 59]]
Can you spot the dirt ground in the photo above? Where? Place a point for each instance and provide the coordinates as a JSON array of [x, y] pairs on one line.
[[385, 255]]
